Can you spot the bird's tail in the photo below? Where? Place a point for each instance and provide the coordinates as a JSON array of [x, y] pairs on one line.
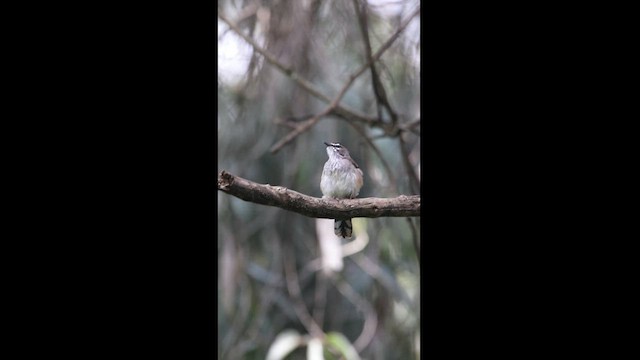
[[343, 228]]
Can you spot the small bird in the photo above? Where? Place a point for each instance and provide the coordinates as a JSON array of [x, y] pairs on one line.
[[341, 179]]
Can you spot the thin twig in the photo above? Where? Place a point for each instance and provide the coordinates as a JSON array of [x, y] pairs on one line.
[[299, 79], [370, 320], [306, 125], [395, 35], [273, 61], [337, 109], [378, 122], [411, 124], [389, 282], [296, 296], [414, 183], [378, 88]]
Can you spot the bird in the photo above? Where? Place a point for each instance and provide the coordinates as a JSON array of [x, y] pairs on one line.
[[341, 178]]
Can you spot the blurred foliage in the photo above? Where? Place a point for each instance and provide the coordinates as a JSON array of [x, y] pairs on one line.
[[321, 41]]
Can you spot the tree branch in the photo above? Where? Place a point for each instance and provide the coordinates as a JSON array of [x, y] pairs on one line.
[[378, 90], [310, 206], [414, 182], [334, 108], [308, 86]]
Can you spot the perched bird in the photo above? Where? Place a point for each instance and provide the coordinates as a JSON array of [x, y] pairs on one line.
[[341, 179]]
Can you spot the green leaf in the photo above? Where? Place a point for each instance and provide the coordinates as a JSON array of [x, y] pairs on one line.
[[340, 343]]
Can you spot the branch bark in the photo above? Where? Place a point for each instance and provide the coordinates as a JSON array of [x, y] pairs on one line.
[[310, 206]]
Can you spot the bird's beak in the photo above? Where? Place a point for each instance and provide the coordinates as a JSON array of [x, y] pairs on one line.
[[326, 143]]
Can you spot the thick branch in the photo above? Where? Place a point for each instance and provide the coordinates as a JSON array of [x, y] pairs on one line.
[[316, 207]]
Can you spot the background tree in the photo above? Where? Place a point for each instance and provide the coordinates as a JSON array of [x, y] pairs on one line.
[[292, 74]]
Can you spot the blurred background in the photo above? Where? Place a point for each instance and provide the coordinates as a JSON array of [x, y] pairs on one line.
[[278, 288]]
